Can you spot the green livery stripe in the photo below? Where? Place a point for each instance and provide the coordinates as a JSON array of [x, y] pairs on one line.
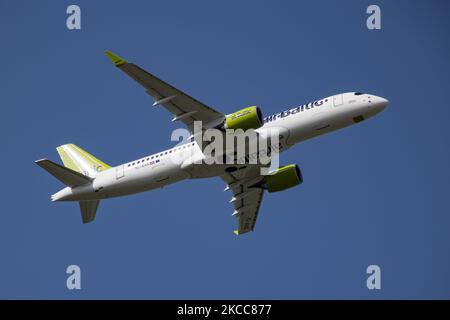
[[79, 160], [90, 158], [67, 160]]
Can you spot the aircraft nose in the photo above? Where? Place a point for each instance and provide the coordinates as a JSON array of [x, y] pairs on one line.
[[379, 103], [382, 103]]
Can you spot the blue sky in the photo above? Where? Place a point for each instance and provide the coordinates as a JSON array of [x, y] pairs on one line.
[[375, 193]]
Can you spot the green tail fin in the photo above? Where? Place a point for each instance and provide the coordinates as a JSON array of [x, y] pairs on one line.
[[81, 161]]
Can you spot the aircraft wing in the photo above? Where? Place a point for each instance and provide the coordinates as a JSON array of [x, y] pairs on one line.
[[246, 197], [184, 108]]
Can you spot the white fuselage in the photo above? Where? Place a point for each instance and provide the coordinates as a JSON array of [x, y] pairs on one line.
[[158, 170]]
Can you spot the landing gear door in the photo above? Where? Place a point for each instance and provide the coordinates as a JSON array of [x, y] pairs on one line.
[[120, 172], [338, 100]]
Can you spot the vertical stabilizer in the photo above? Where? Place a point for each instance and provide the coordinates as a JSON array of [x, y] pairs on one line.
[[81, 161]]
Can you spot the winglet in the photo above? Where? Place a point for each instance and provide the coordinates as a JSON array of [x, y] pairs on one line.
[[118, 61], [236, 232]]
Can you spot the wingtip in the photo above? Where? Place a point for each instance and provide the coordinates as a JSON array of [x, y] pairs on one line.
[[118, 61], [40, 160]]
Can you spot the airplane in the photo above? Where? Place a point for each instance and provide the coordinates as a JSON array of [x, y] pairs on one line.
[[90, 180]]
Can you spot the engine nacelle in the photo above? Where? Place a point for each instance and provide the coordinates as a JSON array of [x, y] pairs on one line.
[[284, 178], [247, 118]]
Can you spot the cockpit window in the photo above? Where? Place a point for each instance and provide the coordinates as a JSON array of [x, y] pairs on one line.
[[358, 93]]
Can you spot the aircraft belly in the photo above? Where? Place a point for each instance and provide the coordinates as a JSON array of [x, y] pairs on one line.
[[139, 179]]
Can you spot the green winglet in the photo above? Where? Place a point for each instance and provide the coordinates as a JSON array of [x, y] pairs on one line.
[[236, 232], [118, 61]]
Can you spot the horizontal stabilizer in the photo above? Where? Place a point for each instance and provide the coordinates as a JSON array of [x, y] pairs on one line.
[[67, 176], [88, 210]]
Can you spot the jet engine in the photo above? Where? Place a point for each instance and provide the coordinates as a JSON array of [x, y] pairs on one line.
[[284, 178], [247, 118]]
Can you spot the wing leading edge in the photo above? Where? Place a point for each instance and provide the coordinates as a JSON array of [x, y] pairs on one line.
[[184, 108]]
